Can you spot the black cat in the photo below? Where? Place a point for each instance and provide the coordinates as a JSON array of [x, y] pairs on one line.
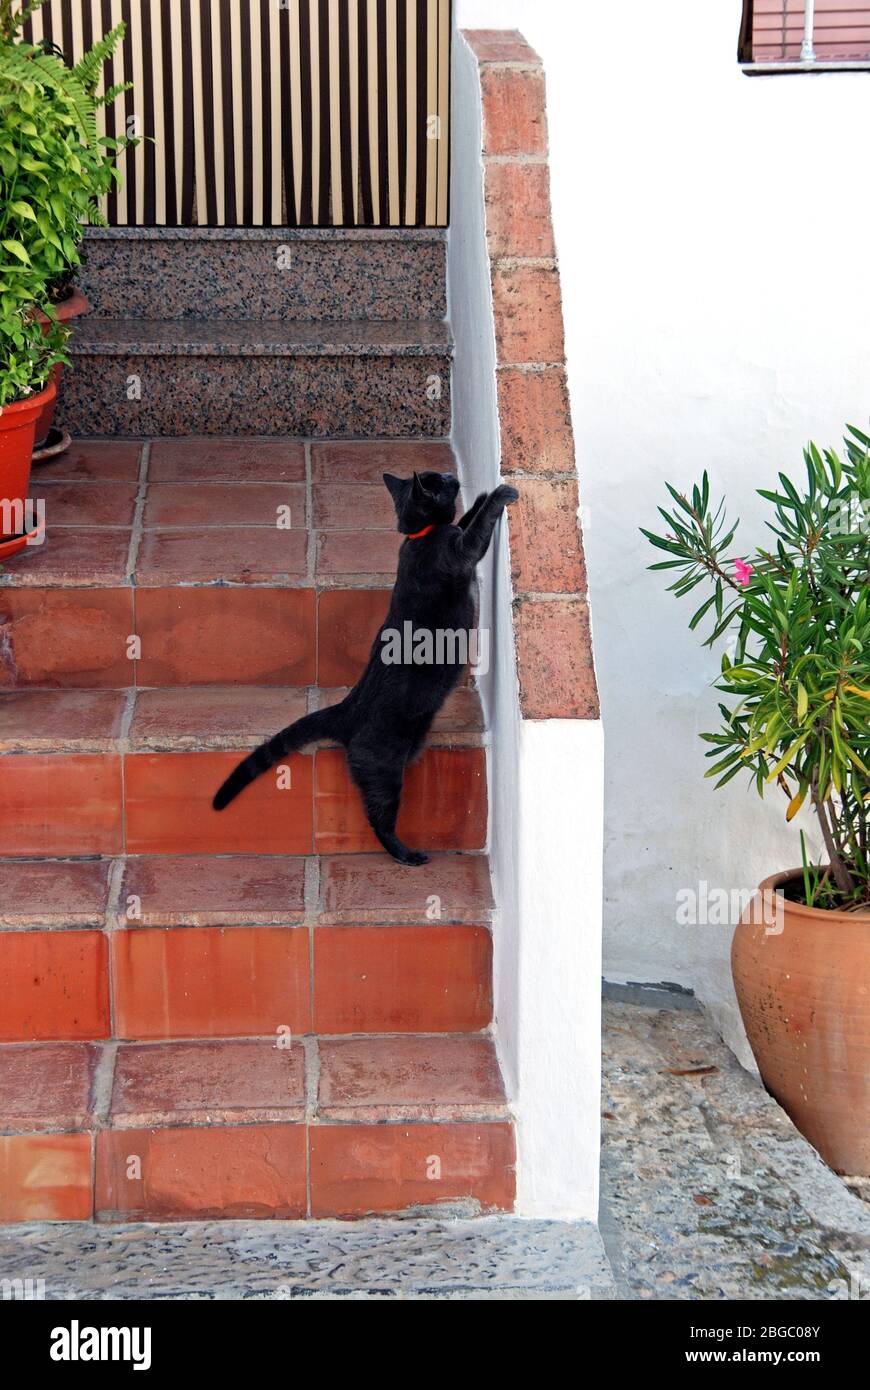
[[385, 718]]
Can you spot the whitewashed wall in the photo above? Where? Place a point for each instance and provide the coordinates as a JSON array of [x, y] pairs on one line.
[[545, 782], [711, 230]]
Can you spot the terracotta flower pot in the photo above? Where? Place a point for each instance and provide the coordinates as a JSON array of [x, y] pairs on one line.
[[17, 431], [804, 994], [70, 308]]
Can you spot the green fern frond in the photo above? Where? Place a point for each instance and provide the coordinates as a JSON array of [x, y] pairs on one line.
[[23, 63], [11, 22], [89, 69], [113, 93]]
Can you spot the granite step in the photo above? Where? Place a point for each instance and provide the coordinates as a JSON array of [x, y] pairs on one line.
[[265, 273], [317, 1126], [367, 379]]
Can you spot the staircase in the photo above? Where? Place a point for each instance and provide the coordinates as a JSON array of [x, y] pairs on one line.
[[258, 1013], [245, 331]]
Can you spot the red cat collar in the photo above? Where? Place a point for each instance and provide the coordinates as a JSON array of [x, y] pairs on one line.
[[415, 535]]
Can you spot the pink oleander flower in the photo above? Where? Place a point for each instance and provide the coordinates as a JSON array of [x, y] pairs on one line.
[[742, 572]]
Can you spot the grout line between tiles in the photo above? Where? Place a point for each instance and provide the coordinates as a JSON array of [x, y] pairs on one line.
[[138, 514], [104, 1077]]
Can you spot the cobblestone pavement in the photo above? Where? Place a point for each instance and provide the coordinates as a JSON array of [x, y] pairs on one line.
[[708, 1190], [490, 1258]]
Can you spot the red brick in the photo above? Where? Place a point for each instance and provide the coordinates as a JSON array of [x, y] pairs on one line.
[[514, 111], [414, 1078], [545, 546], [527, 303], [348, 621], [210, 982], [223, 504], [222, 636], [416, 979], [93, 460], [361, 1169], [52, 893], [197, 1174], [47, 1086], [365, 553], [554, 660], [535, 414], [57, 804], [86, 504], [357, 462], [518, 210], [213, 891], [55, 984], [252, 1082], [57, 637], [205, 716], [367, 888], [168, 803], [244, 555], [50, 721], [443, 805], [227, 460], [46, 1177], [500, 46], [72, 559]]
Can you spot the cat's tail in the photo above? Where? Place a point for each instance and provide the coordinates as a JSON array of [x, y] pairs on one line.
[[322, 723]]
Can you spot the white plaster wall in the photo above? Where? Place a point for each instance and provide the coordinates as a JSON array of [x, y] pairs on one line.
[[545, 783], [476, 440], [560, 796], [711, 230]]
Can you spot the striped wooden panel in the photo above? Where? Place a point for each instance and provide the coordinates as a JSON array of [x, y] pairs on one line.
[[301, 113], [841, 30]]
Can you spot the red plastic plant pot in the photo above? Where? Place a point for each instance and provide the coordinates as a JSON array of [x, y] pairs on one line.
[[17, 432]]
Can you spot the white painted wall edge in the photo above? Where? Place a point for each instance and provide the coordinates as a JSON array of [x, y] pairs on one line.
[[545, 780], [561, 846]]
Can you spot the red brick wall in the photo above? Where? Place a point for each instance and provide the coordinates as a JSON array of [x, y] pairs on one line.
[[551, 621]]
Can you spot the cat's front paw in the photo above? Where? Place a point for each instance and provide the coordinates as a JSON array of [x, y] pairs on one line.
[[505, 495]]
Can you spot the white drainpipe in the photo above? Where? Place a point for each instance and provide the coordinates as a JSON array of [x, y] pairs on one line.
[[808, 53]]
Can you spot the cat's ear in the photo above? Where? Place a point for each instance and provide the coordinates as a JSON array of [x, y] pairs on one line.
[[396, 486], [418, 491]]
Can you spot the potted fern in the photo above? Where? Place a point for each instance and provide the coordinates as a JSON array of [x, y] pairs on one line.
[[795, 720], [54, 168]]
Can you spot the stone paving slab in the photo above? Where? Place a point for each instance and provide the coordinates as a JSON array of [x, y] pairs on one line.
[[708, 1190], [488, 1258]]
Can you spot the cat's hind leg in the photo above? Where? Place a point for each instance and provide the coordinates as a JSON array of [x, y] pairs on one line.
[[380, 786]]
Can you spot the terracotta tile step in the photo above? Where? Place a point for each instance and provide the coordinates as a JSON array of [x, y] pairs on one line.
[[255, 604], [181, 719], [80, 637], [324, 1127], [242, 890], [150, 509], [236, 946], [105, 803]]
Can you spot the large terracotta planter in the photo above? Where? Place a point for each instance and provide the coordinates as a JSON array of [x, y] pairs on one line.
[[17, 431], [804, 994], [69, 309]]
